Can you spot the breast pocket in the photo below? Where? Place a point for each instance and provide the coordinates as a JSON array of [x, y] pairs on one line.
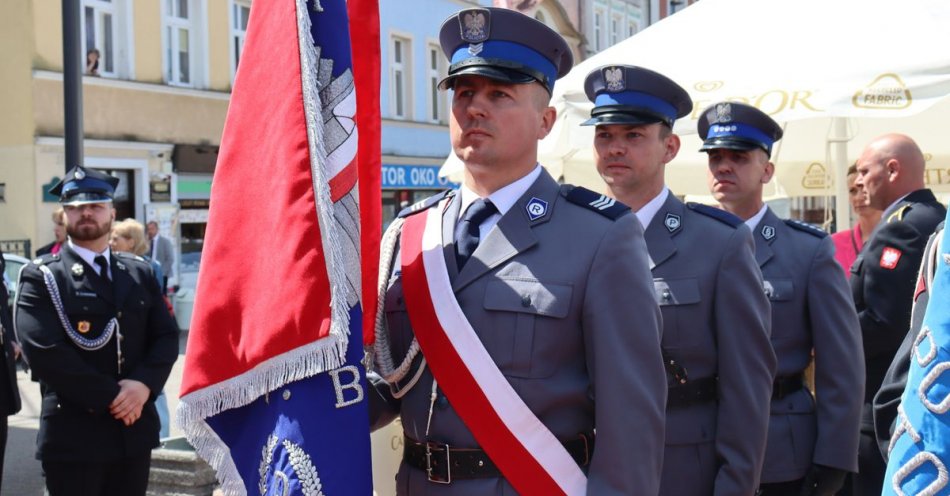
[[679, 303], [523, 312], [397, 319], [779, 289]]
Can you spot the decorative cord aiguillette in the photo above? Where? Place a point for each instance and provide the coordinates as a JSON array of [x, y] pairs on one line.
[[84, 343]]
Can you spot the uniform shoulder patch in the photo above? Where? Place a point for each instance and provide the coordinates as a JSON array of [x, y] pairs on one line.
[[805, 227], [716, 213], [424, 204], [899, 214], [602, 204], [45, 259]]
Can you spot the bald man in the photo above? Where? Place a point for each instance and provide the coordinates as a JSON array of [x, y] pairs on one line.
[[891, 171]]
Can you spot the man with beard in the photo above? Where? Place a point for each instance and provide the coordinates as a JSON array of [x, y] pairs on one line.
[[101, 343]]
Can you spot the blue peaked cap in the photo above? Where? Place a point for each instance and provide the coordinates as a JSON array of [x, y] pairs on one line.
[[81, 186], [504, 45], [737, 126], [626, 94]]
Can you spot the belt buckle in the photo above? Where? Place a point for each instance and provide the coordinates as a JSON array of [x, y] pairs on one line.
[[448, 464]]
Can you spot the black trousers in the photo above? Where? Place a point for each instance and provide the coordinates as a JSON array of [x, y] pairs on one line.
[[871, 469], [3, 446], [126, 477], [790, 488]]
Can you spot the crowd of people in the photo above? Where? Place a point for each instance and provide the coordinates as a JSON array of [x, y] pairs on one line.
[[559, 340]]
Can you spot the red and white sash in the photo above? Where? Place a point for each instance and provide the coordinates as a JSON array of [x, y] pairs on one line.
[[528, 455]]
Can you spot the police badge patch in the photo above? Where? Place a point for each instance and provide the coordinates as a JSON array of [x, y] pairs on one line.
[[77, 269], [672, 222], [768, 232], [83, 326], [475, 25], [614, 78], [723, 113], [536, 208]]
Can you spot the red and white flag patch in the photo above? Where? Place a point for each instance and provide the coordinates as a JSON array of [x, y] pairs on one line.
[[890, 257]]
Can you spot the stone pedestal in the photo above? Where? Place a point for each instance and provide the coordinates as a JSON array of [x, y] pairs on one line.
[[178, 471]]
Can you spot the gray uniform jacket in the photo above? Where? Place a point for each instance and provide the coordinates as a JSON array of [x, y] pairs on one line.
[[811, 309], [715, 323], [564, 306]]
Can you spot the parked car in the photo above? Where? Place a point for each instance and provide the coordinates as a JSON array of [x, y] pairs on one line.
[[12, 272]]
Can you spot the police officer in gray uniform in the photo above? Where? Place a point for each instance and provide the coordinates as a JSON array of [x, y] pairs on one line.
[[715, 316], [101, 343], [553, 279], [813, 441]]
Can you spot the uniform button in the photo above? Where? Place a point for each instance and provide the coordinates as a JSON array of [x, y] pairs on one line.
[[85, 308], [666, 294], [526, 301], [286, 394], [441, 401], [118, 315]]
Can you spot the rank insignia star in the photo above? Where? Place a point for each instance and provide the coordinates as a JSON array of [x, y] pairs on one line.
[[83, 326], [77, 269], [890, 257]]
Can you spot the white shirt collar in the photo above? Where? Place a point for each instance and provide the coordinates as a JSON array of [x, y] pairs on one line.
[[648, 211], [89, 256], [753, 221], [504, 198]]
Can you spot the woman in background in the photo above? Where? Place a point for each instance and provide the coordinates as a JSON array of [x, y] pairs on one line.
[[848, 243], [129, 236]]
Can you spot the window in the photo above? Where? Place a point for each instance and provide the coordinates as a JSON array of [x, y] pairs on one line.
[[615, 34], [179, 42], [240, 11], [104, 31], [399, 81], [631, 29], [434, 75], [598, 29]]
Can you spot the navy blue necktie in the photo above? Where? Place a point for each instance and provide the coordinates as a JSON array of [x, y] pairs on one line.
[[103, 266], [468, 233]]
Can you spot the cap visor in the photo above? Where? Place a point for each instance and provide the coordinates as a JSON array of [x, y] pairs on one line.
[[85, 199], [729, 144], [490, 72], [622, 119]]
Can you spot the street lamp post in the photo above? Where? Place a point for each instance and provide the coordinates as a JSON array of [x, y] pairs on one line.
[[72, 83]]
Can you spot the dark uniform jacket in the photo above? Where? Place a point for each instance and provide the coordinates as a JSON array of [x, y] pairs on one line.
[[78, 385], [811, 310], [9, 393], [884, 296], [715, 324], [564, 306], [888, 397]]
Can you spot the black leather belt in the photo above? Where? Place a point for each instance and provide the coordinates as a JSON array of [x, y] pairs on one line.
[[443, 463], [786, 385], [693, 392]]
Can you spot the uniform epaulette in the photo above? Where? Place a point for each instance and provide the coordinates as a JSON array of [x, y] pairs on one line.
[[45, 259], [424, 204], [716, 213], [898, 214], [805, 227], [602, 204]]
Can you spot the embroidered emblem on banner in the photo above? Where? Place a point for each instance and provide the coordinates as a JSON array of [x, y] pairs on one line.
[[890, 257], [768, 232], [536, 208], [614, 78], [307, 475], [672, 222]]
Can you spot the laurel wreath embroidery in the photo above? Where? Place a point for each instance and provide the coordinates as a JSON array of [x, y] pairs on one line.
[[299, 460]]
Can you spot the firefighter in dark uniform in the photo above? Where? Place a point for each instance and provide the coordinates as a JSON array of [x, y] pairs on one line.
[[883, 278], [101, 343]]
